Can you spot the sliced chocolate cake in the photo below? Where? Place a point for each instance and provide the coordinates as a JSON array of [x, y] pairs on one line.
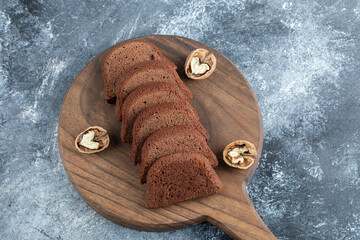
[[122, 58], [172, 140], [145, 73], [162, 116], [178, 177], [143, 98]]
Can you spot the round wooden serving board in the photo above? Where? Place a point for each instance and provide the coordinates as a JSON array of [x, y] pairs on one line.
[[109, 182]]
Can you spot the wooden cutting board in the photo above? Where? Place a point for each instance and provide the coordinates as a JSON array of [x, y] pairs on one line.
[[109, 182]]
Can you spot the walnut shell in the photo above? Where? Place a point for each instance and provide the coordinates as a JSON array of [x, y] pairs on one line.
[[248, 156], [205, 57], [101, 136]]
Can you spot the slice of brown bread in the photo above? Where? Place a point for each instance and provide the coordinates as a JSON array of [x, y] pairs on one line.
[[172, 140], [122, 57], [145, 73], [178, 177], [162, 116], [144, 97]]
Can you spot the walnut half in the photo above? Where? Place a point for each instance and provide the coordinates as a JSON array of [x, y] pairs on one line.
[[200, 64], [92, 140], [240, 154]]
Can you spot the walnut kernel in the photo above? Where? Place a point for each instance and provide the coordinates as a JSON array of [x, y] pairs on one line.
[[200, 64], [239, 154], [92, 140]]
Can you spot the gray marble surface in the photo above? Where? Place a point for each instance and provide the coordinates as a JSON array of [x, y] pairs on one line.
[[302, 59]]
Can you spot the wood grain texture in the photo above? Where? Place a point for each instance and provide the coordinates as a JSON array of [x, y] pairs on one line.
[[109, 182]]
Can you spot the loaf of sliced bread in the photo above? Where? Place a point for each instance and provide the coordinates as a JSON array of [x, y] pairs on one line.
[[178, 177], [172, 140], [122, 58], [144, 97], [144, 73], [162, 116]]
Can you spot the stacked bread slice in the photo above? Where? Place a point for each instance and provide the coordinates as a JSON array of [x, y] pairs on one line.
[[122, 58], [179, 177], [168, 140]]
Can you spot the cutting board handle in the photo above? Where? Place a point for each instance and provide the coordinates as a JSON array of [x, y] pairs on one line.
[[242, 222]]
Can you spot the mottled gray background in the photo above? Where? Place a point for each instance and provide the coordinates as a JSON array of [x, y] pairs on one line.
[[301, 57]]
